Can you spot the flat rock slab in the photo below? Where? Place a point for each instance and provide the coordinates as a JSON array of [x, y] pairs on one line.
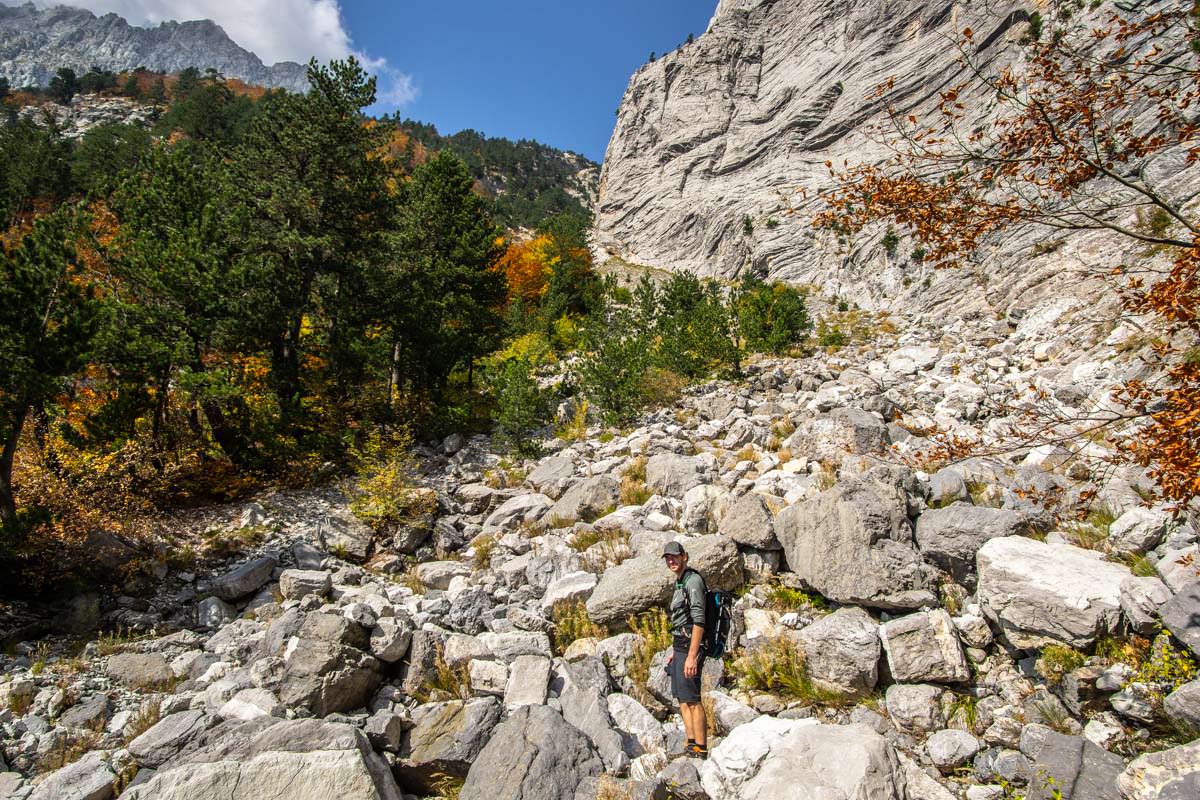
[[1042, 594], [146, 671], [770, 758], [244, 580]]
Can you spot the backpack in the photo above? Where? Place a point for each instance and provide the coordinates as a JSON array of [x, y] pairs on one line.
[[718, 618]]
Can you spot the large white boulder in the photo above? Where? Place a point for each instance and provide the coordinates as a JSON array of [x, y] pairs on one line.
[[772, 758], [1043, 594]]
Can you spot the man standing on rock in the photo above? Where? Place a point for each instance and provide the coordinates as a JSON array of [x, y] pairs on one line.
[[686, 661]]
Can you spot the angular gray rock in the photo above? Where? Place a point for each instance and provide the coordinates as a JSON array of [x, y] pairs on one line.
[[528, 680], [517, 510], [445, 739], [1182, 706], [1141, 599], [1181, 616], [1172, 774], [672, 475], [274, 758], [147, 671], [551, 475], [773, 758], [583, 705], [532, 755], [587, 500], [1138, 530], [843, 430], [751, 522], [853, 544], [174, 732], [325, 677], [841, 651], [924, 647], [950, 537], [1071, 766], [644, 582], [89, 778], [297, 583], [244, 580], [390, 638], [1043, 594], [951, 748], [915, 707]]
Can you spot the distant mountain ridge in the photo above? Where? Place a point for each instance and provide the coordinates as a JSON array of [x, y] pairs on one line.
[[35, 43]]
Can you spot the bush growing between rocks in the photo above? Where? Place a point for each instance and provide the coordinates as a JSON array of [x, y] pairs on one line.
[[786, 598], [67, 749], [1090, 532], [520, 405], [776, 665], [1057, 660], [383, 492], [655, 630], [633, 483], [571, 622], [446, 682]]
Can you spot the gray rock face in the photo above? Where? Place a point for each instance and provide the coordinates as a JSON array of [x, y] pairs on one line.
[[37, 42], [951, 748], [89, 778], [244, 580], [772, 758], [326, 677], [843, 430], [644, 582], [1183, 704], [1181, 615], [275, 758], [924, 647], [1048, 593], [1141, 599], [445, 738], [534, 755], [950, 537], [149, 671], [528, 679], [296, 583], [168, 736], [723, 130], [587, 500], [672, 475], [751, 522], [853, 544], [1172, 774], [841, 651], [584, 706], [1073, 766]]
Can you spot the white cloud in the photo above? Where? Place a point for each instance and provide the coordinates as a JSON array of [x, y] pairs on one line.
[[275, 30]]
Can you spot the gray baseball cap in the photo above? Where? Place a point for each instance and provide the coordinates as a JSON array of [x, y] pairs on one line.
[[673, 549]]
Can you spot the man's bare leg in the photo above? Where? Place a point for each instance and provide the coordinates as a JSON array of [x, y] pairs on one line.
[[695, 723]]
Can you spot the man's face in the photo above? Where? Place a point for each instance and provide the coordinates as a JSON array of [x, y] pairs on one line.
[[675, 563]]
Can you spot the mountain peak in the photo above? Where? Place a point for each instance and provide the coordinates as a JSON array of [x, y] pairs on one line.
[[36, 42]]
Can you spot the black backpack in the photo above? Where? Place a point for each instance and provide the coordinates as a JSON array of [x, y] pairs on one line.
[[718, 619]]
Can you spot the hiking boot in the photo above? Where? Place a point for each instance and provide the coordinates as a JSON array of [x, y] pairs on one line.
[[694, 750]]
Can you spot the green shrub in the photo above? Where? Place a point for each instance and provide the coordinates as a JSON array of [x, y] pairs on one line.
[[1057, 660], [785, 598], [771, 318], [777, 665], [571, 622], [655, 630]]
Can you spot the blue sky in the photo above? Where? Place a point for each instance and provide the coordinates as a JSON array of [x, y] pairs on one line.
[[537, 69], [552, 71]]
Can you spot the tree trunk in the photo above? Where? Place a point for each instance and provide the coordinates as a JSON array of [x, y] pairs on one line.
[[8, 499]]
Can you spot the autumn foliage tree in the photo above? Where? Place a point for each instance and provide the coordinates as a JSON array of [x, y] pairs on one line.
[[1077, 122]]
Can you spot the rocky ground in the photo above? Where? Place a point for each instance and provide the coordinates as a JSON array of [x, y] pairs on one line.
[[906, 628]]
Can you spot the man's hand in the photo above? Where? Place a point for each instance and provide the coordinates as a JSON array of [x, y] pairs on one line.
[[670, 657], [689, 666]]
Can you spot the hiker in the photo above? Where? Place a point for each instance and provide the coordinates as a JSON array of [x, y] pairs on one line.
[[686, 661]]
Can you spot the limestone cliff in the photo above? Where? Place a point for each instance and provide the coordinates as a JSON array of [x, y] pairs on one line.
[[716, 144], [34, 43]]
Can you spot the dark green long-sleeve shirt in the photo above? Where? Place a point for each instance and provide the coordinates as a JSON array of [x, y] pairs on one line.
[[687, 605]]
